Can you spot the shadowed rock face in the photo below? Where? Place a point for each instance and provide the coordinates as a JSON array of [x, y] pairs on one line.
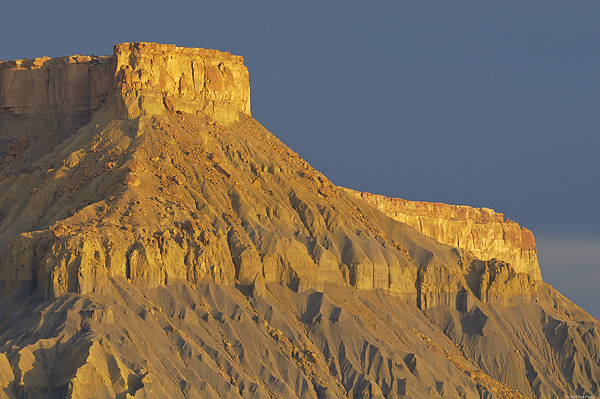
[[170, 246], [43, 101]]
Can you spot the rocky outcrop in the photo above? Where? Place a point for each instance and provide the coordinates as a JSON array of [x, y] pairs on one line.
[[480, 230], [45, 100], [53, 85], [153, 77], [48, 99]]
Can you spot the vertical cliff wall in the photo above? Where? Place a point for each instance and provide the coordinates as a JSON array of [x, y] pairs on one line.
[[44, 100], [50, 85], [480, 230], [153, 77]]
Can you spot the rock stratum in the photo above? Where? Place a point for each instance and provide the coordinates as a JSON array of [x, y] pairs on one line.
[[481, 231], [44, 100], [157, 241]]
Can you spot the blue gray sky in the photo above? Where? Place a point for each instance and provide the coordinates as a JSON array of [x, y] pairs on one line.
[[488, 104]]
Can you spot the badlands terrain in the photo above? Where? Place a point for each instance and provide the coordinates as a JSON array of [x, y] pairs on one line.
[[157, 242]]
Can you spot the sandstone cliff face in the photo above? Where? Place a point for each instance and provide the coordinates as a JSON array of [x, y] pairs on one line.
[[45, 85], [480, 230], [45, 100], [151, 77]]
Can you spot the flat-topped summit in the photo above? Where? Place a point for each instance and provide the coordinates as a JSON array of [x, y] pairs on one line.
[[151, 77], [47, 99], [158, 76]]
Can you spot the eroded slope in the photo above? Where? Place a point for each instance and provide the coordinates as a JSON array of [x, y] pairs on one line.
[[185, 341], [172, 246]]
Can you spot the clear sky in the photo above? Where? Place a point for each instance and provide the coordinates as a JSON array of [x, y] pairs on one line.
[[489, 104]]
